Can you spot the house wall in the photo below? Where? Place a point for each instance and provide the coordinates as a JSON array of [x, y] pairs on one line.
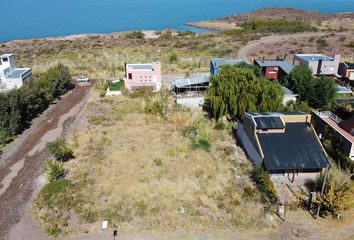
[[296, 118], [327, 67], [213, 69], [252, 152], [320, 128], [271, 72], [190, 101], [144, 78], [12, 83]]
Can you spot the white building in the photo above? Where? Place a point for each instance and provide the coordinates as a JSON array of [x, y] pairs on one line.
[[10, 76]]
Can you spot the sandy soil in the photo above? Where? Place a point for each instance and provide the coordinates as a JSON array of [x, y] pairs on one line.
[[21, 163], [280, 45]]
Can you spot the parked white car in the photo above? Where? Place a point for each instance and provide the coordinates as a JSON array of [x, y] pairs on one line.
[[82, 79]]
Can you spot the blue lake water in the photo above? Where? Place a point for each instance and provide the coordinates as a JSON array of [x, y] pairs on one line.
[[41, 18]]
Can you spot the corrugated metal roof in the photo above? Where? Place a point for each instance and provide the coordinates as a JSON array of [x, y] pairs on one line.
[[191, 81], [283, 64], [296, 148]]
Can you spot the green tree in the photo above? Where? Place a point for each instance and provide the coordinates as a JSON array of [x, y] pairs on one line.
[[318, 93], [325, 92], [58, 78], [60, 150], [301, 81], [237, 89]]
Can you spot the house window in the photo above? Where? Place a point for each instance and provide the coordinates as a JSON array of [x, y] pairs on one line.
[[130, 76], [331, 68]]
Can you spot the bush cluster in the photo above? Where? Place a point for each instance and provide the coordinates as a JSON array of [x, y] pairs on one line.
[[276, 26]]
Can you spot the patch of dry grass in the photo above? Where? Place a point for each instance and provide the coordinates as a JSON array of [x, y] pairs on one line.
[[141, 172]]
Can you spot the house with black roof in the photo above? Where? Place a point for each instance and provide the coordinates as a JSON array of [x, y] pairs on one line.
[[282, 143]]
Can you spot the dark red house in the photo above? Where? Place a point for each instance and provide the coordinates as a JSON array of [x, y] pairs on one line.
[[274, 69]]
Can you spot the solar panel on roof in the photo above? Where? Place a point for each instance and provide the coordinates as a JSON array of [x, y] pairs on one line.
[[269, 123]]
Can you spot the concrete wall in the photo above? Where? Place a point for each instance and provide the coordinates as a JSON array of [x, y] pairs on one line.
[[191, 101]]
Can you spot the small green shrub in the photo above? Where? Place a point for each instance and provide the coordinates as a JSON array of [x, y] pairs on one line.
[[220, 125], [173, 58], [60, 150], [350, 45], [202, 143], [264, 184], [158, 162], [53, 230], [54, 170]]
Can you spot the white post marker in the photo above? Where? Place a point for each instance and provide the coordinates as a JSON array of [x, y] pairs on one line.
[[104, 225]]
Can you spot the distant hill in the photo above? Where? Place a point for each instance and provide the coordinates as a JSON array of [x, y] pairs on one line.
[[311, 17]]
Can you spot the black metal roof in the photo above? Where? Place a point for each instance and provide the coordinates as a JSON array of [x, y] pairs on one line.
[[297, 148], [350, 65], [269, 123]]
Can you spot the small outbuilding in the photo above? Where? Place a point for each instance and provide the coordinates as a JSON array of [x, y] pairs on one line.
[[198, 83]]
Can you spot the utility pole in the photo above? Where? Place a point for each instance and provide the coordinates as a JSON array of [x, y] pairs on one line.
[[322, 190]]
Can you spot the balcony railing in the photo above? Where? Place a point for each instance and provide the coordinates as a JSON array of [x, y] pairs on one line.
[[330, 115]]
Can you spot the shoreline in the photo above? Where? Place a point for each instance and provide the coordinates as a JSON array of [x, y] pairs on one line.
[[149, 34], [210, 26]]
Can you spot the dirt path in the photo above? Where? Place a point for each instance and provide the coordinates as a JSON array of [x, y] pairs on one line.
[[21, 163], [244, 52]]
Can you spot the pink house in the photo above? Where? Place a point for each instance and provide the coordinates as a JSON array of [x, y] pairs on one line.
[[147, 75]]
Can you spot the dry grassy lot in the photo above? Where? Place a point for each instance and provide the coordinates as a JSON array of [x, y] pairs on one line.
[[146, 172]]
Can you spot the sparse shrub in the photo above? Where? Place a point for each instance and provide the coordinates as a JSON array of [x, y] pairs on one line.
[[202, 143], [54, 170], [173, 58], [350, 45], [53, 230], [135, 34], [158, 162], [322, 43], [60, 150], [220, 125]]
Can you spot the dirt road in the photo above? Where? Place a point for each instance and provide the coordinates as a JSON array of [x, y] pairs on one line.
[[22, 161], [244, 52]]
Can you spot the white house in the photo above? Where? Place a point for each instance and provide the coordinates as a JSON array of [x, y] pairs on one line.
[[10, 76]]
